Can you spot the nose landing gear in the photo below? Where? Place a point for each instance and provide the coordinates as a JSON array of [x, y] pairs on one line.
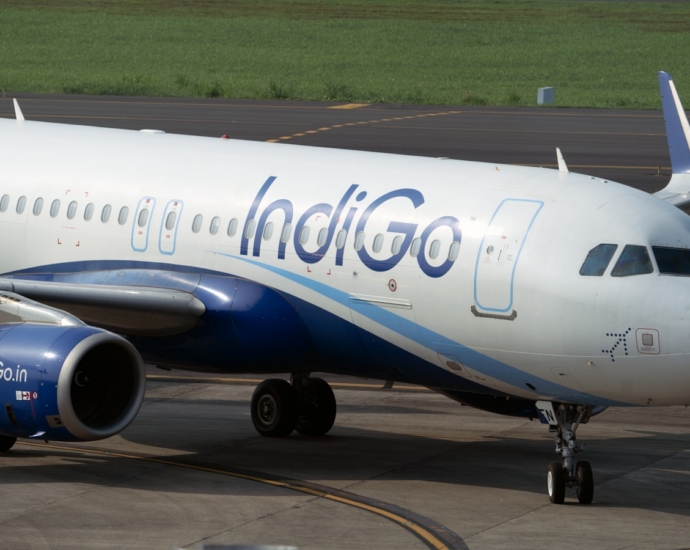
[[564, 419]]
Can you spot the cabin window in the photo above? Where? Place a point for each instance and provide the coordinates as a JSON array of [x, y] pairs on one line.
[[105, 214], [88, 212], [415, 246], [143, 217], [323, 237], [38, 206], [170, 220], [122, 217], [397, 244], [634, 260], [598, 260], [250, 229], [285, 235], [359, 241], [672, 261], [215, 225], [268, 231], [232, 227], [378, 243], [71, 210], [304, 235], [55, 208], [21, 204], [196, 224], [4, 203], [434, 249], [454, 251], [340, 239]]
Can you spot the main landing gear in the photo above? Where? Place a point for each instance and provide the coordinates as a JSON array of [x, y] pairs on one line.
[[565, 419], [303, 404]]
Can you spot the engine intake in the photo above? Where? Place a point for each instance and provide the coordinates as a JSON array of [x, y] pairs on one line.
[[74, 383]]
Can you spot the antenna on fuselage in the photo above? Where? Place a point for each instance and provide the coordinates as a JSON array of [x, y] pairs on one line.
[[17, 111], [562, 166]]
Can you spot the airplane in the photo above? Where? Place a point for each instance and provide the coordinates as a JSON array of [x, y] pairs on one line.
[[523, 291]]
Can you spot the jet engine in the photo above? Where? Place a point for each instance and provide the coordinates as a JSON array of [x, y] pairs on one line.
[[68, 382]]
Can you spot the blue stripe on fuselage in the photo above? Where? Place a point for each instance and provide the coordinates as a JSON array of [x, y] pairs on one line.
[[437, 342]]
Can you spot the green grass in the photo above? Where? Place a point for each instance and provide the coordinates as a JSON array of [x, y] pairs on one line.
[[598, 54]]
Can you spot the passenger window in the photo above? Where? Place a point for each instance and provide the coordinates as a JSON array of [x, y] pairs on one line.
[[38, 206], [434, 249], [251, 228], [215, 225], [287, 231], [397, 244], [598, 260], [232, 227], [634, 260], [170, 220], [55, 208], [268, 231], [415, 246], [323, 237], [359, 241], [378, 243], [122, 217], [71, 210], [4, 203], [88, 212], [105, 214], [196, 224], [672, 261], [143, 217], [21, 204], [340, 239], [454, 251], [304, 235]]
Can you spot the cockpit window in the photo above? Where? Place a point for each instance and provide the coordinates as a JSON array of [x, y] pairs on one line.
[[598, 260], [634, 260], [672, 261]]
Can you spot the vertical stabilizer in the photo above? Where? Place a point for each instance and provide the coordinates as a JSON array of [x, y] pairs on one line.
[[18, 112], [677, 127], [677, 191]]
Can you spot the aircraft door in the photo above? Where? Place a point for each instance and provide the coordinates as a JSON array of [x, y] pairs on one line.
[[498, 256], [167, 241], [142, 224]]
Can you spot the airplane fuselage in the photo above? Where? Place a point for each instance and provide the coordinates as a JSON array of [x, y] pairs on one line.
[[450, 274]]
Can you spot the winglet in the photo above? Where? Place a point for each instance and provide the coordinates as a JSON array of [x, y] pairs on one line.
[[562, 166], [18, 111], [677, 191]]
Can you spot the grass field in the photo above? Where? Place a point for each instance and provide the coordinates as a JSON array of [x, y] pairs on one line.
[[598, 54]]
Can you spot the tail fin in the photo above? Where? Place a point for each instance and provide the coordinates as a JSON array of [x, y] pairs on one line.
[[677, 191]]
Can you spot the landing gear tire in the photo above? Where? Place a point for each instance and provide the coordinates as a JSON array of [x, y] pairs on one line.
[[274, 408], [585, 482], [317, 407], [555, 481], [6, 443]]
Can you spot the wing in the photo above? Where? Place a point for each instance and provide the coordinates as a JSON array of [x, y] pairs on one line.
[[131, 310]]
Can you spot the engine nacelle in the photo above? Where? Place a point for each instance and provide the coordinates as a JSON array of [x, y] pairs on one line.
[[67, 383]]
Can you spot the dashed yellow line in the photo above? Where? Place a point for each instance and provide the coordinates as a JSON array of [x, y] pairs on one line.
[[361, 122], [350, 106], [423, 533]]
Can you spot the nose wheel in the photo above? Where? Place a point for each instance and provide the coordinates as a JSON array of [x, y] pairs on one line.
[[565, 419]]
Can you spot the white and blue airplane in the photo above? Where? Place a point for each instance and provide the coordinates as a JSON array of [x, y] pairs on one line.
[[522, 291]]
